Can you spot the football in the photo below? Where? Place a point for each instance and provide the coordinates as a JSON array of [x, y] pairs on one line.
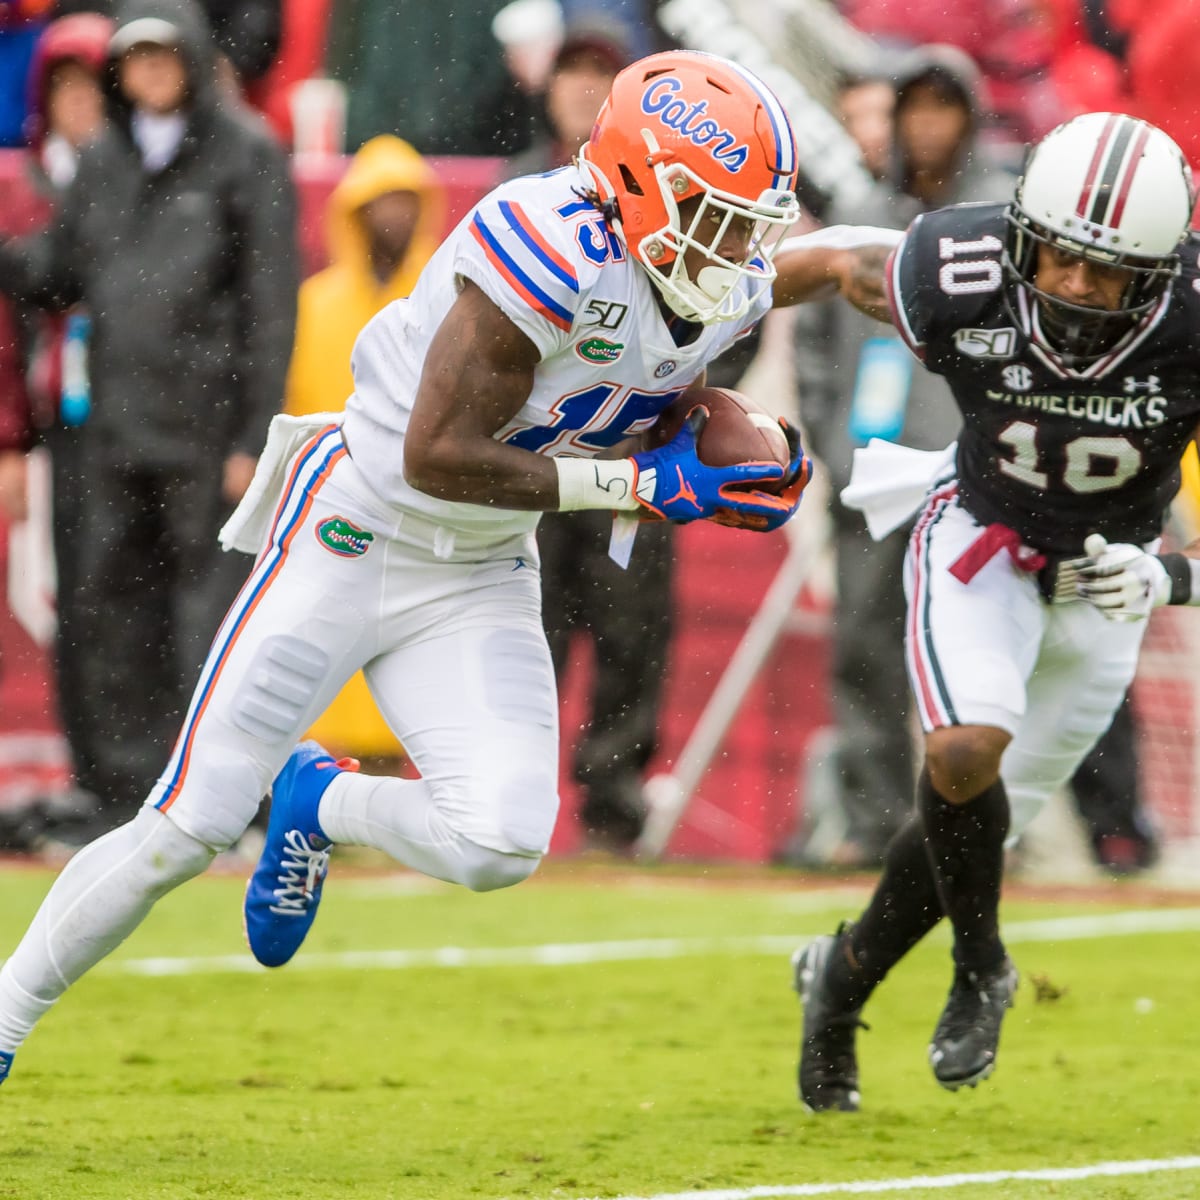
[[737, 431]]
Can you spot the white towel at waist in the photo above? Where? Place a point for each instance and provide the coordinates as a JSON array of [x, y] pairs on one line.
[[889, 481], [249, 523]]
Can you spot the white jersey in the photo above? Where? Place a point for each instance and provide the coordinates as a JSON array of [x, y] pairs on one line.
[[550, 262]]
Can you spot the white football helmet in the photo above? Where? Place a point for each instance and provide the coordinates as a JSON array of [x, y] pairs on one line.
[[1113, 189]]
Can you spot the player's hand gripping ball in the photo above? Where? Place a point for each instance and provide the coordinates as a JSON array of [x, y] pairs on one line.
[[739, 431]]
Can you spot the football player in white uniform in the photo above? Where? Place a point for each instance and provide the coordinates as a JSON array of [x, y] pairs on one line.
[[557, 321], [1065, 323]]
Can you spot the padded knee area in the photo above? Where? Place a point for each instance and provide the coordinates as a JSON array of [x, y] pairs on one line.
[[528, 808], [484, 870], [280, 685]]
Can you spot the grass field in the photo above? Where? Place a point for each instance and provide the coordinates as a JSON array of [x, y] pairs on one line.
[[589, 1034]]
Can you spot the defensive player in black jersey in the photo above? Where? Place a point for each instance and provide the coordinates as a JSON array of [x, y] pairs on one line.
[[1067, 323]]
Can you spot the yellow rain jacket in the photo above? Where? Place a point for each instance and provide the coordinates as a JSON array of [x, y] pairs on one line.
[[334, 306], [1187, 502], [337, 302]]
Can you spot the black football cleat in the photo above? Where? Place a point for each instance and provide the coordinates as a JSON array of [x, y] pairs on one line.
[[828, 1074], [963, 1050]]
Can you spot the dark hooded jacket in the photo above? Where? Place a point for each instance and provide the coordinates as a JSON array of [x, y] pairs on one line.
[[190, 273]]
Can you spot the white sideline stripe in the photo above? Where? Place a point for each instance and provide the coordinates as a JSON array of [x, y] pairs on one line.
[[1053, 929], [561, 954], [1145, 1166]]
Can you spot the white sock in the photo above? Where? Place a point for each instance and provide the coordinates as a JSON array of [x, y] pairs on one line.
[[100, 897], [399, 817]]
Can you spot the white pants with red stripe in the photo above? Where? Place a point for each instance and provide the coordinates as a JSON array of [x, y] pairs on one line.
[[991, 651], [452, 647]]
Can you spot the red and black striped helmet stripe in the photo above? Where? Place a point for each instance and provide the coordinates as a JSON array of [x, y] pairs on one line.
[[1112, 170]]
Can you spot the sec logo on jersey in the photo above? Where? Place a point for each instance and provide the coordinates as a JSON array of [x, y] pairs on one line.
[[1017, 378]]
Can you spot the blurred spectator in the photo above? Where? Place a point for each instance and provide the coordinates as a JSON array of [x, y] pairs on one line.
[[14, 415], [383, 223], [301, 56], [21, 24], [856, 383], [66, 110], [1008, 40], [531, 31], [1132, 57], [432, 74], [66, 105], [1162, 58], [178, 234], [865, 105], [636, 17], [246, 33], [589, 55], [1087, 56], [1187, 503]]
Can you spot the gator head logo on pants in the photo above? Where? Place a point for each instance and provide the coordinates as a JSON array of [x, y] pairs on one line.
[[343, 538]]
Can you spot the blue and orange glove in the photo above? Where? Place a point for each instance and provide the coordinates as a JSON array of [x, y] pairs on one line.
[[770, 511], [674, 485]]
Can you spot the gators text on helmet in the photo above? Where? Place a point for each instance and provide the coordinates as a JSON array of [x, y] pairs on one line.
[[683, 124]]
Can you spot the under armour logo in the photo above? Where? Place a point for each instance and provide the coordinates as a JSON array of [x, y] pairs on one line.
[[1150, 384], [686, 491]]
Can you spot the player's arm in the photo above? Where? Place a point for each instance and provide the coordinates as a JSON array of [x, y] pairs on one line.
[[843, 259], [479, 372]]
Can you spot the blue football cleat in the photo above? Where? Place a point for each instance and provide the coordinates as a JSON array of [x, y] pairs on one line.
[[6, 1062], [285, 889]]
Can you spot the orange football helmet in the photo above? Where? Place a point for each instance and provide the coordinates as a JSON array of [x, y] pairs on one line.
[[683, 124]]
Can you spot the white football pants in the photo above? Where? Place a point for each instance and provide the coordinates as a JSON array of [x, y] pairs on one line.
[[453, 649], [991, 651]]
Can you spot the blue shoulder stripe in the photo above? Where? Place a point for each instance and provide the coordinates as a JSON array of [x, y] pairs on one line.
[[524, 228], [518, 278]]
